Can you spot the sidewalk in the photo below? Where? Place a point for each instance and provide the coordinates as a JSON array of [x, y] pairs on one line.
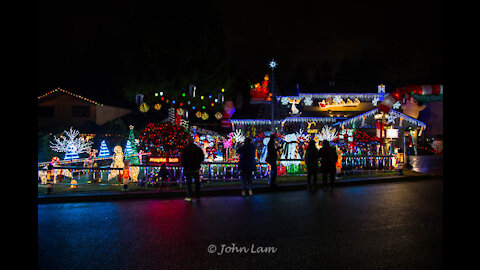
[[229, 189]]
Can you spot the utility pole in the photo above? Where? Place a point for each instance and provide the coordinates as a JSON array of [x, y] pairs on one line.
[[272, 65]]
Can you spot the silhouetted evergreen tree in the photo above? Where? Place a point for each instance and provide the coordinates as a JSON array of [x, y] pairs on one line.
[[172, 45]]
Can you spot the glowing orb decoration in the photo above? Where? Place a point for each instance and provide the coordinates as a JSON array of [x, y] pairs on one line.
[[144, 107]]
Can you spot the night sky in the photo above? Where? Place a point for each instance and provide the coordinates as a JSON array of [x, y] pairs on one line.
[[72, 35]]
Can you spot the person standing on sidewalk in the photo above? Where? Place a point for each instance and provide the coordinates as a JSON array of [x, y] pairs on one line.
[[272, 156], [247, 164], [191, 160], [328, 159], [311, 160]]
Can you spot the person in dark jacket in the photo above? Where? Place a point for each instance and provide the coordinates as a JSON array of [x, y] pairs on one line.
[[247, 164], [191, 160], [272, 156], [311, 160], [328, 158]]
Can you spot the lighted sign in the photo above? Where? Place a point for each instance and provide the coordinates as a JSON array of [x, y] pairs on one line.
[[162, 160], [392, 133]]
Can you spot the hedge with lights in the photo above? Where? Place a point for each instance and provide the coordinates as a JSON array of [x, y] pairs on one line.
[[163, 139]]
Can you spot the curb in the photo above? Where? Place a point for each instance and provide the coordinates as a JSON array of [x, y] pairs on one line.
[[218, 192]]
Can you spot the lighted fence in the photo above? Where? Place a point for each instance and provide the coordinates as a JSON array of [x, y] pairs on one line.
[[383, 162], [210, 171]]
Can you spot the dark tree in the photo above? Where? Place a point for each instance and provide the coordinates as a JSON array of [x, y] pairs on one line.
[[172, 46]]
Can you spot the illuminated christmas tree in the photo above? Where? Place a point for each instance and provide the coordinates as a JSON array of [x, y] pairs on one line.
[[131, 148], [70, 144], [104, 152], [72, 153]]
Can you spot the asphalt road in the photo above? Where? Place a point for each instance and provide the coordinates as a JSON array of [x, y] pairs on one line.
[[382, 226], [427, 164]]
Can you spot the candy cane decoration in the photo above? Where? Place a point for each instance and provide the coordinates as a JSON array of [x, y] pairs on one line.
[[424, 90]]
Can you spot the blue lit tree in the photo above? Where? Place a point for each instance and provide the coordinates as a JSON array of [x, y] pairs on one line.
[[104, 152]]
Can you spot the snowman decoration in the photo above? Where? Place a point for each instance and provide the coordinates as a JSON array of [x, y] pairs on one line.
[[117, 162]]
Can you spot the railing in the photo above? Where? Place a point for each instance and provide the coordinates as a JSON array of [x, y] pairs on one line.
[[374, 162], [219, 171]]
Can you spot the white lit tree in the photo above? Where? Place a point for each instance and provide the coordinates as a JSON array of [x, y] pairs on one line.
[[238, 136], [328, 134], [70, 144]]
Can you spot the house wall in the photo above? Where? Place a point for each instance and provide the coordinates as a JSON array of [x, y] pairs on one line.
[[63, 108], [108, 113], [63, 105], [432, 115]]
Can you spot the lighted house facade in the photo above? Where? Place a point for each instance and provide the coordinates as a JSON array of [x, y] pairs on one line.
[[307, 114]]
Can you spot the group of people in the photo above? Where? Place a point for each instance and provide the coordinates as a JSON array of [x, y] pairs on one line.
[[192, 158]]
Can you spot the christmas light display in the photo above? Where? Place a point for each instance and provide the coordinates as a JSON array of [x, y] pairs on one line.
[[328, 133], [294, 102], [163, 139], [57, 173], [71, 94], [128, 148], [290, 153], [337, 101], [70, 144], [117, 162], [144, 107], [104, 152], [131, 148], [371, 113], [314, 119], [259, 92], [238, 136]]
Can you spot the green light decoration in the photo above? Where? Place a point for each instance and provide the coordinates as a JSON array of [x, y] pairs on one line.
[[131, 148], [293, 168]]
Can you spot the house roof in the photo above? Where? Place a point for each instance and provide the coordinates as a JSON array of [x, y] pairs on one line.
[[56, 90], [398, 119], [95, 97]]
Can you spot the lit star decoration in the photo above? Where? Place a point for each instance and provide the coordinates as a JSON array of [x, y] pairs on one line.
[[272, 64]]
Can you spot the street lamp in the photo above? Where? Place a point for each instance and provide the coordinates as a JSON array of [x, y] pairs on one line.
[[272, 65]]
